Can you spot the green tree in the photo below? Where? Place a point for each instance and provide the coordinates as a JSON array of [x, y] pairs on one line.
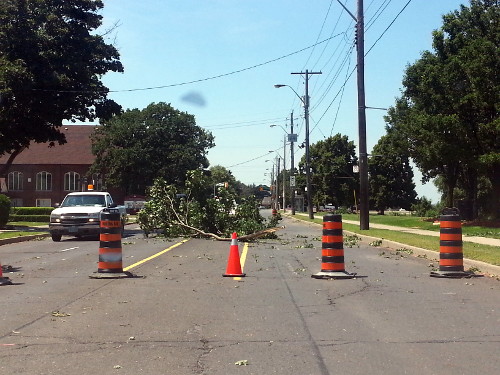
[[450, 103], [51, 64], [391, 175], [134, 148], [4, 210], [331, 165]]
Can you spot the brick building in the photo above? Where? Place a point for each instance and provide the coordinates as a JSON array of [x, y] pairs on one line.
[[42, 176]]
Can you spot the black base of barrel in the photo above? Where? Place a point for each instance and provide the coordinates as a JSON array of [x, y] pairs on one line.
[[111, 275], [333, 275], [454, 274]]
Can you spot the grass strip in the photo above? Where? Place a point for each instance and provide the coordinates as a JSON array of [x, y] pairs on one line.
[[5, 235], [408, 221], [483, 253]]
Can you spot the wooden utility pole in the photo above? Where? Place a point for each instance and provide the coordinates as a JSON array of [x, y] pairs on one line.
[[291, 139], [364, 219], [305, 101]]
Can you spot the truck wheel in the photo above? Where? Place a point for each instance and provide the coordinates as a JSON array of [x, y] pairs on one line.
[[56, 237]]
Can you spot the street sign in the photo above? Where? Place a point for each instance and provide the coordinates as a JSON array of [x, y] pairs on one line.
[[292, 137]]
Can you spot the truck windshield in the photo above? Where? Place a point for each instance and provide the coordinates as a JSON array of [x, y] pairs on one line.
[[84, 200]]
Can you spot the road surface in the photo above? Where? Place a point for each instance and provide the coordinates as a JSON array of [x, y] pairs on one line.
[[179, 315]]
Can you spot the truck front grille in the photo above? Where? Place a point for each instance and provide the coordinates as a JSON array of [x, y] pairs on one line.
[[74, 219]]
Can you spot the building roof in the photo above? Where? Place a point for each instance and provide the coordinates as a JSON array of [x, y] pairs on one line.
[[77, 150]]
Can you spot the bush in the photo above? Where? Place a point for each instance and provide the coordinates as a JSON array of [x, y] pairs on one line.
[[31, 214], [424, 208], [31, 210], [30, 218], [4, 210]]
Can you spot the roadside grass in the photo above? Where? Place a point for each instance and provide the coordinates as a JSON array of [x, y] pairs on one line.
[[408, 221], [5, 235], [483, 253], [23, 228]]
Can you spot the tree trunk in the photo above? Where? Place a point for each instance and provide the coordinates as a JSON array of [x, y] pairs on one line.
[[4, 169]]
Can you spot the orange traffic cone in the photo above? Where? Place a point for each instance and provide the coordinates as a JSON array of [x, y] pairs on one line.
[[4, 280], [233, 263]]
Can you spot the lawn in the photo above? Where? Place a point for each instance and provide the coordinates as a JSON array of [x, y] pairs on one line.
[[23, 229], [408, 221], [484, 253]]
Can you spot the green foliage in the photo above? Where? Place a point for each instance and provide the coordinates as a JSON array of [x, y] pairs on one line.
[[30, 218], [134, 148], [391, 175], [423, 207], [51, 64], [4, 210], [331, 165], [31, 210], [30, 214], [177, 214], [449, 109]]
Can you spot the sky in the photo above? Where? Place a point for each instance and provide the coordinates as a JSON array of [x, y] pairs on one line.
[[220, 59]]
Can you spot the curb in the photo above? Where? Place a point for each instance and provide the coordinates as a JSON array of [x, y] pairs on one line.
[[7, 241], [486, 268]]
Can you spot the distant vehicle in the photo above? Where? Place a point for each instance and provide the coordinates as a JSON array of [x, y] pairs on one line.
[[79, 214], [329, 208]]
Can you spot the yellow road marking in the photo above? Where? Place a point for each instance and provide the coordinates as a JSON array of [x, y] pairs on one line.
[[243, 258], [155, 255]]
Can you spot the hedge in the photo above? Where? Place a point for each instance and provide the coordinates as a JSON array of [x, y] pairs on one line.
[[31, 210], [33, 214], [30, 218]]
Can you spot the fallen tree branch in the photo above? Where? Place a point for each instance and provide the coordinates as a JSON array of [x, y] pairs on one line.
[[246, 237]]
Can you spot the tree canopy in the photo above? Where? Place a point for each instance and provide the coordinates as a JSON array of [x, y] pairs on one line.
[[449, 108], [51, 64], [332, 178], [391, 175], [134, 148]]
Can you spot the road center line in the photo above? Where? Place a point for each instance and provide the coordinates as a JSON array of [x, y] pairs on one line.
[[243, 258], [155, 255]]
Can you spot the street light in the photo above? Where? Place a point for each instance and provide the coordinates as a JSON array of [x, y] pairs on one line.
[[305, 102], [291, 138]]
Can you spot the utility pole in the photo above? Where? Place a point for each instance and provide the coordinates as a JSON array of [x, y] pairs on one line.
[[364, 219], [277, 183], [292, 167], [284, 170], [308, 160]]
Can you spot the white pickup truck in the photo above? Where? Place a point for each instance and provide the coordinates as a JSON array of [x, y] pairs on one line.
[[79, 214]]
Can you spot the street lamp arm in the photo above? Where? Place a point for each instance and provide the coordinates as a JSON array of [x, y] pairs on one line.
[[291, 88], [274, 125]]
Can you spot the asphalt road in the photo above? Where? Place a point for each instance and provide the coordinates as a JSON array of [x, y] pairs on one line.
[[180, 316]]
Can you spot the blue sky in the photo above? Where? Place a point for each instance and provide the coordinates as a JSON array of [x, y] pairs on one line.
[[219, 60]]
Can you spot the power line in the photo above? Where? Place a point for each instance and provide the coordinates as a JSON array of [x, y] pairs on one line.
[[201, 79], [388, 27], [248, 161]]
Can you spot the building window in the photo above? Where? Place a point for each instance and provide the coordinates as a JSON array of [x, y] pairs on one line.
[[43, 181], [15, 181], [71, 181], [43, 202]]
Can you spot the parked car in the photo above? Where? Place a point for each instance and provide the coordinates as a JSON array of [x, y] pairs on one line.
[[329, 208]]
